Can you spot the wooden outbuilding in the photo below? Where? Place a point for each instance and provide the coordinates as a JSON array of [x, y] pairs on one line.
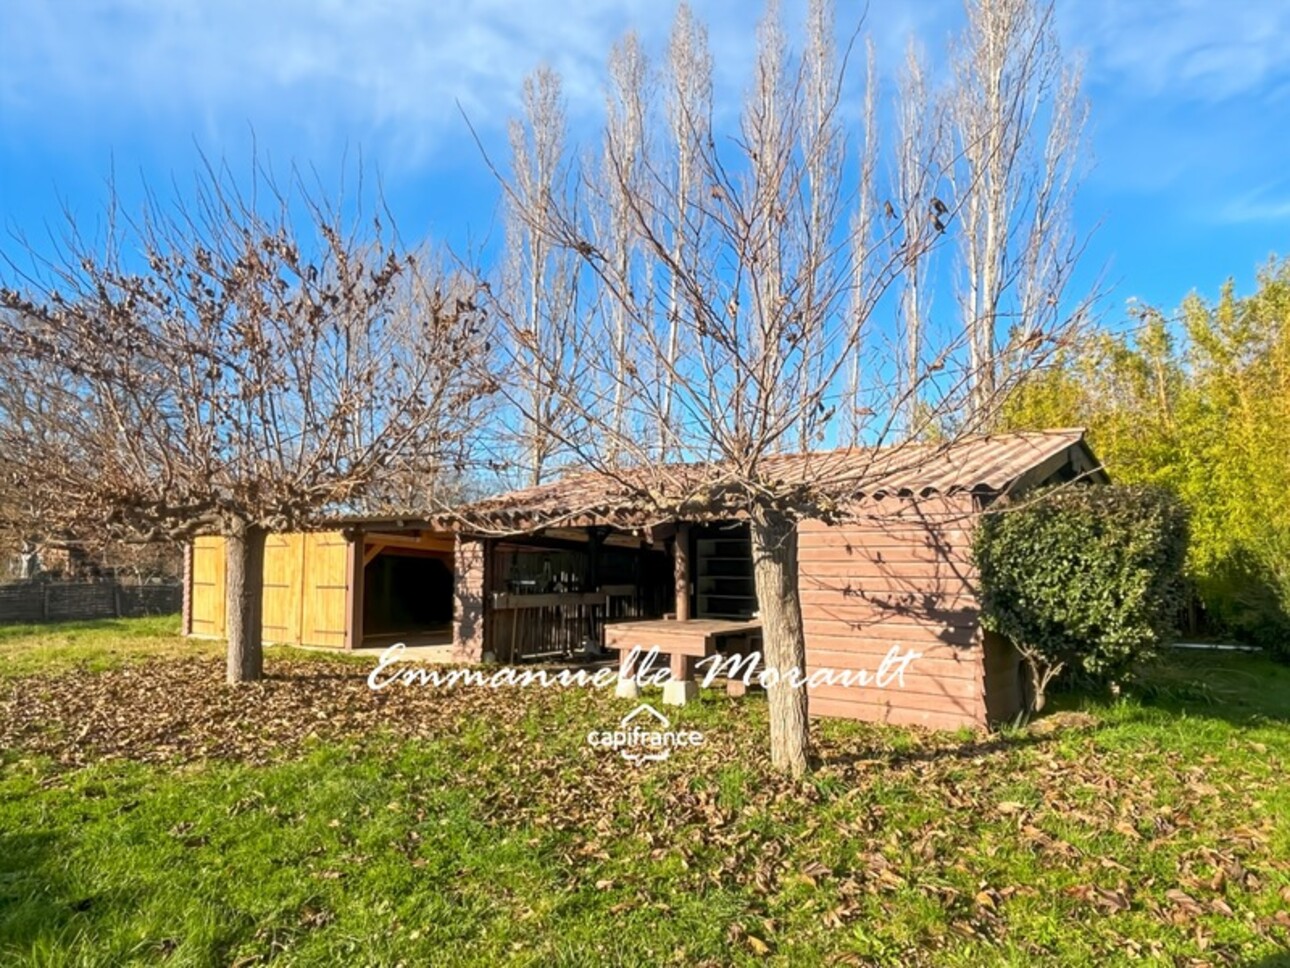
[[576, 566], [892, 569], [362, 582]]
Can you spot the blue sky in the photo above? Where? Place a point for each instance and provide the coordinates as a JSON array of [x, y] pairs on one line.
[[1190, 106]]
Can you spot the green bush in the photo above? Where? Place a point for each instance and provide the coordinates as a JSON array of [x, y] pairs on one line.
[[1246, 600], [1083, 578]]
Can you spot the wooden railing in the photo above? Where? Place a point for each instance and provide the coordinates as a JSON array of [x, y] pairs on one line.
[[554, 623]]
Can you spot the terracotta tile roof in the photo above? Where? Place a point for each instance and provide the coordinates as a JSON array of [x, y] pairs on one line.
[[644, 495]]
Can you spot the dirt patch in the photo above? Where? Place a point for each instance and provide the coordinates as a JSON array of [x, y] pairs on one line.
[[1063, 722]]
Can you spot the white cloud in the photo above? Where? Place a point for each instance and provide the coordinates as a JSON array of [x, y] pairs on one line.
[[377, 65], [387, 72], [1168, 78], [1196, 50], [1267, 203], [395, 67]]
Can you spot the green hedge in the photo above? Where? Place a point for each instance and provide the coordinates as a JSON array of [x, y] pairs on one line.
[[1085, 578]]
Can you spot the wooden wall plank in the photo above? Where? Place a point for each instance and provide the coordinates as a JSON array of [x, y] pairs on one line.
[[207, 610], [963, 696], [939, 661], [898, 574], [282, 588], [305, 593], [891, 715], [326, 606]]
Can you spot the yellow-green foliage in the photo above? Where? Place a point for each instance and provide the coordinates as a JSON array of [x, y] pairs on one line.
[[1199, 404]]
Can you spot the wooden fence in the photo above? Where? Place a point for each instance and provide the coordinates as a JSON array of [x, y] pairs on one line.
[[536, 626], [44, 601]]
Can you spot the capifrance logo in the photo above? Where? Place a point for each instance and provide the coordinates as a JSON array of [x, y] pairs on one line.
[[644, 735]]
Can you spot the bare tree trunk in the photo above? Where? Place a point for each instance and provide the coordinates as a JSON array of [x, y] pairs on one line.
[[1041, 675], [774, 549], [244, 601]]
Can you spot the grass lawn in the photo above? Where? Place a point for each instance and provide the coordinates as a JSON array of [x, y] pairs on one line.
[[150, 814], [104, 644]]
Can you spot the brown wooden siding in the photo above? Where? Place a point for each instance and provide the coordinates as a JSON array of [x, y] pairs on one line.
[[897, 573]]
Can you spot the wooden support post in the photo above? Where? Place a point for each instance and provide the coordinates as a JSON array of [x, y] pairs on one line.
[[591, 583], [354, 586], [681, 563], [595, 541], [470, 607], [186, 606], [682, 688]]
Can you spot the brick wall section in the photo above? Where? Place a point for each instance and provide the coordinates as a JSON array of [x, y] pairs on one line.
[[22, 602], [186, 606], [68, 601], [468, 599], [898, 572]]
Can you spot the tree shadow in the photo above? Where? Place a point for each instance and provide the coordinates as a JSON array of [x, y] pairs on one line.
[[1241, 689], [989, 745], [1275, 960], [38, 900]]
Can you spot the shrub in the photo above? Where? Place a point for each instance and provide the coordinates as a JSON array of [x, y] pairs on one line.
[[1087, 578], [1249, 601]]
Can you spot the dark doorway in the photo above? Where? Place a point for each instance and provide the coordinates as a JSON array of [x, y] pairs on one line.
[[407, 593]]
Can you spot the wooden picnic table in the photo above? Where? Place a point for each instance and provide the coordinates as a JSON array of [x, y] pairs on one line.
[[682, 640]]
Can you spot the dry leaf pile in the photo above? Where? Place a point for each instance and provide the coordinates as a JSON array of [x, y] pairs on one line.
[[940, 817]]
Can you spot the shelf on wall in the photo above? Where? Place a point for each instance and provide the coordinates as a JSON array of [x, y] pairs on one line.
[[725, 583]]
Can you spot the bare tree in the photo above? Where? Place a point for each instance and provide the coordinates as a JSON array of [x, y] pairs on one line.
[[867, 240], [689, 118], [752, 270], [772, 276], [625, 154], [539, 281], [26, 513], [923, 215], [1017, 118], [822, 147], [207, 368]]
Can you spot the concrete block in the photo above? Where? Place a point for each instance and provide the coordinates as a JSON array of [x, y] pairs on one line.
[[627, 689], [678, 692]]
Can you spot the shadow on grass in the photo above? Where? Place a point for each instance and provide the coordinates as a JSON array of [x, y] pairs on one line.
[[1240, 689], [972, 749], [37, 900], [1278, 960]]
